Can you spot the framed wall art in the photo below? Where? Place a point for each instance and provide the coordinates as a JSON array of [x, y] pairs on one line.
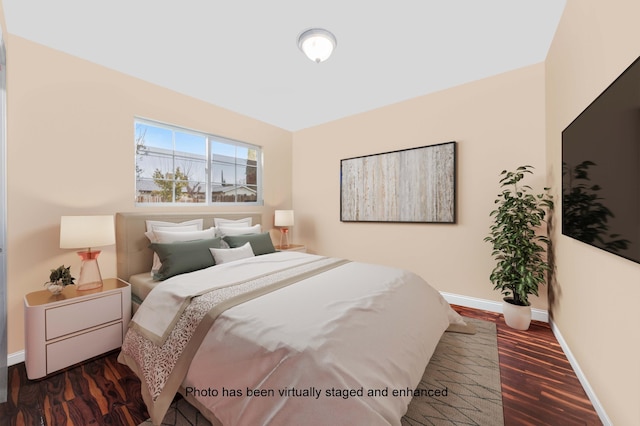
[[409, 185]]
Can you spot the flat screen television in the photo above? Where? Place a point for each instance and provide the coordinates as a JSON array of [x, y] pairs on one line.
[[601, 170]]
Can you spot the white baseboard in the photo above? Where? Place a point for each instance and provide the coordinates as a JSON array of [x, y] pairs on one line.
[[15, 358], [490, 305], [581, 377]]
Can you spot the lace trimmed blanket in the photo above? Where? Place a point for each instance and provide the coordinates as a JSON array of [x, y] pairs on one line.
[[162, 365]]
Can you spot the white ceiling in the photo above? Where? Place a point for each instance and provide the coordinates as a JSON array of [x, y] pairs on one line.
[[243, 55]]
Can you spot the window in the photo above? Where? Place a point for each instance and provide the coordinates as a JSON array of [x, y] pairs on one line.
[[180, 166]]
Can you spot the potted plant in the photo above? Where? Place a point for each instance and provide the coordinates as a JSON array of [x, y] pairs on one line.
[[59, 279], [519, 250]]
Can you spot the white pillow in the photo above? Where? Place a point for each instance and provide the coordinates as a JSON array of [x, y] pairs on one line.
[[229, 255], [218, 221], [152, 236], [237, 230], [172, 237], [151, 224]]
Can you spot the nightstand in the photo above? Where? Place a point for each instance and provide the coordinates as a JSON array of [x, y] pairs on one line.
[[292, 247], [74, 326]]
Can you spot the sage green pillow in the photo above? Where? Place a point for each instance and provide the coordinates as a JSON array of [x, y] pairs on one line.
[[182, 257], [260, 243]]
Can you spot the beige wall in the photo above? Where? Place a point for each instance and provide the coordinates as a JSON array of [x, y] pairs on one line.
[[498, 123], [70, 150], [597, 293]]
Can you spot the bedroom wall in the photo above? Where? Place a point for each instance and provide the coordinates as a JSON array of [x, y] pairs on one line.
[[498, 123], [70, 150], [595, 292]]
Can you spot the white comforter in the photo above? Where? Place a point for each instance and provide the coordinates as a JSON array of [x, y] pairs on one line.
[[352, 329]]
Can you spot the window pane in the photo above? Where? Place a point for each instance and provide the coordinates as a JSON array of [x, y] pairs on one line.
[[190, 143], [222, 150], [223, 173], [154, 136], [250, 194], [154, 149], [154, 163], [190, 167], [193, 192], [164, 188], [247, 175]]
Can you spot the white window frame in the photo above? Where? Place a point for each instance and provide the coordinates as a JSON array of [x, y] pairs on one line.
[[209, 139]]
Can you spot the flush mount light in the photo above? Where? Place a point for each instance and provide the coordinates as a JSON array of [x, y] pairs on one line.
[[317, 44]]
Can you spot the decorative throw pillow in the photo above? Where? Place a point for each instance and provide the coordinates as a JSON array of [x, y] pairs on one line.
[[159, 225], [260, 243], [173, 234], [229, 255], [181, 257]]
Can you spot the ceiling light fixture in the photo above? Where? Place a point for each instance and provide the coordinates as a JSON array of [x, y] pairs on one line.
[[317, 44]]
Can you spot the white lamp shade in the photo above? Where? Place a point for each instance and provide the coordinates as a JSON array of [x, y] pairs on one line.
[[86, 231], [317, 44], [284, 218]]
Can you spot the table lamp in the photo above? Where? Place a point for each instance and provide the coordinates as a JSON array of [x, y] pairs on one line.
[[284, 219], [87, 232]]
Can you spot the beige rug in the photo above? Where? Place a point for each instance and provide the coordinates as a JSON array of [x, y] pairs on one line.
[[465, 365], [469, 368]]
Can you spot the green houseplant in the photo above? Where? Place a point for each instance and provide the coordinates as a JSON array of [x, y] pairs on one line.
[[519, 250], [59, 278]]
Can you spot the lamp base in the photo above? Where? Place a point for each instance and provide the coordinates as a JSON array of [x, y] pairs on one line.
[[90, 277], [284, 237]]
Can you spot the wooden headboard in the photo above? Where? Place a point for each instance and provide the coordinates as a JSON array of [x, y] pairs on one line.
[[132, 247]]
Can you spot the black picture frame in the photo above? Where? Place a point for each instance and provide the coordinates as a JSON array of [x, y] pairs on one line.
[[414, 185]]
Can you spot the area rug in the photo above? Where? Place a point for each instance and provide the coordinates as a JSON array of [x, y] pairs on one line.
[[467, 366], [464, 370]]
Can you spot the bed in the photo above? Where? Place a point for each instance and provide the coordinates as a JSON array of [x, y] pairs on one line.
[[276, 338]]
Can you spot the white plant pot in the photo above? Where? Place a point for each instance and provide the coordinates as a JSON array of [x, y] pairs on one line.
[[55, 288], [518, 317]]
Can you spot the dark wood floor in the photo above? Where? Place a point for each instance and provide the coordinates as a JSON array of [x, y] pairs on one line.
[[538, 387], [98, 392]]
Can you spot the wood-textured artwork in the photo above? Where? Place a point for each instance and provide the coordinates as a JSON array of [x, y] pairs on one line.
[[410, 185]]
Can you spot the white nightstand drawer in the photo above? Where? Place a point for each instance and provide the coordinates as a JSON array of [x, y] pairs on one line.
[[75, 349], [67, 319]]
